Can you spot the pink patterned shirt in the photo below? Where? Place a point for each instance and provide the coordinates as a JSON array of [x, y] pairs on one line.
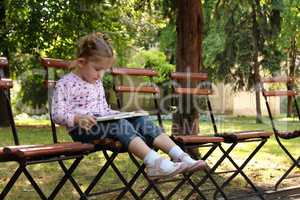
[[74, 96]]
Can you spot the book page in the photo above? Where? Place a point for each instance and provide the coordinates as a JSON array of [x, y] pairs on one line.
[[122, 115]]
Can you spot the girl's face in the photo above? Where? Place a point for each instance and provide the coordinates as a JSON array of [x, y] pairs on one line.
[[90, 70]]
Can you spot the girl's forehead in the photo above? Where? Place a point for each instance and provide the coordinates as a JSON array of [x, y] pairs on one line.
[[103, 61]]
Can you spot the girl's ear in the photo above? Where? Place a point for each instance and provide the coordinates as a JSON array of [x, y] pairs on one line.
[[81, 62]]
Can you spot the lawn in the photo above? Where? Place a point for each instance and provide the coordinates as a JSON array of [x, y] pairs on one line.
[[264, 169]]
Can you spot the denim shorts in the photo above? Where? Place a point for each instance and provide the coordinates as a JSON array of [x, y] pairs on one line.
[[124, 130]]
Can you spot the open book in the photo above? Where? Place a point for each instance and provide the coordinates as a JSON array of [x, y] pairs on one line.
[[122, 115]]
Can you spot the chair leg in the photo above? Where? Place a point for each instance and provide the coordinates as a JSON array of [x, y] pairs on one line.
[[141, 170], [33, 183], [195, 187], [67, 176], [100, 173], [239, 170], [11, 182], [72, 180], [182, 182], [287, 173], [219, 189], [213, 169], [119, 174]]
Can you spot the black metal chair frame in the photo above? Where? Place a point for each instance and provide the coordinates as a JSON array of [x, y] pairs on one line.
[[211, 142], [12, 153], [155, 93], [231, 138], [103, 146], [287, 135]]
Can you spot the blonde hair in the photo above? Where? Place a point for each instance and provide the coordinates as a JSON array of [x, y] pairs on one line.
[[94, 45]]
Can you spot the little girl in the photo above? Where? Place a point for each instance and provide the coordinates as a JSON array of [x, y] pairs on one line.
[[79, 97]]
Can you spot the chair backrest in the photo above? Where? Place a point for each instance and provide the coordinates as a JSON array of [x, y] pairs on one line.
[[195, 84], [51, 63], [5, 86], [290, 92], [151, 89]]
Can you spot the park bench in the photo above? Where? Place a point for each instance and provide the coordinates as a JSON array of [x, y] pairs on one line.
[[283, 136]]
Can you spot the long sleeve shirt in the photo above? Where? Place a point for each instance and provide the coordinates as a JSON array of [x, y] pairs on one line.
[[74, 96]]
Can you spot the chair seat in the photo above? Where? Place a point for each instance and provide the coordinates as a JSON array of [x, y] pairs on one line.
[[109, 144], [46, 151], [5, 156], [245, 135], [289, 135], [196, 139]]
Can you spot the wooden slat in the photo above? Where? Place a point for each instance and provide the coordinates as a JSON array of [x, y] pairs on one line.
[[189, 76], [3, 62], [280, 93], [6, 84], [278, 79], [244, 135], [193, 91], [289, 134], [49, 83], [123, 88], [133, 71], [55, 63], [108, 143], [49, 150], [197, 139]]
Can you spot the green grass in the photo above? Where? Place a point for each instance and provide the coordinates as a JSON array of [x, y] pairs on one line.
[[264, 169]]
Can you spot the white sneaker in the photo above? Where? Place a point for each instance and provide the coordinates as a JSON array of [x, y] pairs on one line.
[[198, 165], [155, 172]]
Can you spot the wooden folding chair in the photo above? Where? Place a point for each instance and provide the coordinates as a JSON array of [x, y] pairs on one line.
[[233, 139], [119, 90], [283, 136], [187, 142], [102, 145], [153, 90], [26, 155]]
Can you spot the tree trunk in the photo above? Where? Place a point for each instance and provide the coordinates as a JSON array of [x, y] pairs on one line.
[[188, 59], [256, 63], [292, 67], [257, 90], [3, 52]]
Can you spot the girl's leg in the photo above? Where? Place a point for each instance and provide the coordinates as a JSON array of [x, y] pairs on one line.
[[134, 142], [155, 137], [139, 148], [165, 143]]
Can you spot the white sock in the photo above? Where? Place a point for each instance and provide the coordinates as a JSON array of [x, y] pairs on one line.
[[176, 154], [166, 165]]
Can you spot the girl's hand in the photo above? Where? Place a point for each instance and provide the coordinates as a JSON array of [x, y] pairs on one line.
[[85, 121]]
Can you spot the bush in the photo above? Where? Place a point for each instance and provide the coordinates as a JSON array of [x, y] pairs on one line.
[[156, 60], [32, 94]]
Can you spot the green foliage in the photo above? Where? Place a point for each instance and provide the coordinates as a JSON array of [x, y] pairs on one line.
[[250, 31], [51, 28], [167, 41], [153, 59]]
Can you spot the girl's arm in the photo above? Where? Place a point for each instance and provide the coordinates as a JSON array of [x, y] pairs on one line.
[[61, 113]]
